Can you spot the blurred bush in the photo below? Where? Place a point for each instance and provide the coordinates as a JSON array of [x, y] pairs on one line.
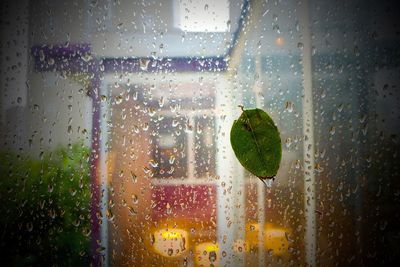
[[44, 211]]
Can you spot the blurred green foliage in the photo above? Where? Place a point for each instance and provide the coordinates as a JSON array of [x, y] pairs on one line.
[[44, 212]]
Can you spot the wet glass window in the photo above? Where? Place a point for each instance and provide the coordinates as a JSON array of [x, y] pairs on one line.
[[116, 120]]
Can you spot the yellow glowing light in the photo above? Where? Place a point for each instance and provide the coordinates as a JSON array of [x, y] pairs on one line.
[[170, 235], [279, 41], [275, 238], [211, 247], [275, 233], [170, 243], [206, 254]]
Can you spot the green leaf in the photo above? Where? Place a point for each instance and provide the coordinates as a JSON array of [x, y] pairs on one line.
[[256, 142]]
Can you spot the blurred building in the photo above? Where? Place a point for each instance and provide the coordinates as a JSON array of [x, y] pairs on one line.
[[153, 88]]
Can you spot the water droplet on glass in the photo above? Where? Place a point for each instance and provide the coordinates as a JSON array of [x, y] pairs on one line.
[[86, 57], [29, 226], [340, 107], [144, 63], [152, 239], [76, 223], [169, 209], [300, 45], [153, 163], [161, 102], [363, 118], [383, 225], [41, 55], [135, 199], [212, 256], [145, 126], [151, 112], [170, 252], [175, 123], [270, 252], [171, 159], [118, 99], [288, 142], [332, 130], [289, 106], [132, 211], [188, 128], [323, 93], [134, 177], [110, 215], [318, 167], [146, 170], [199, 129], [135, 128]]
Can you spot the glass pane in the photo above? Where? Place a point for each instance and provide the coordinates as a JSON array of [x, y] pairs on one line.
[[115, 133]]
